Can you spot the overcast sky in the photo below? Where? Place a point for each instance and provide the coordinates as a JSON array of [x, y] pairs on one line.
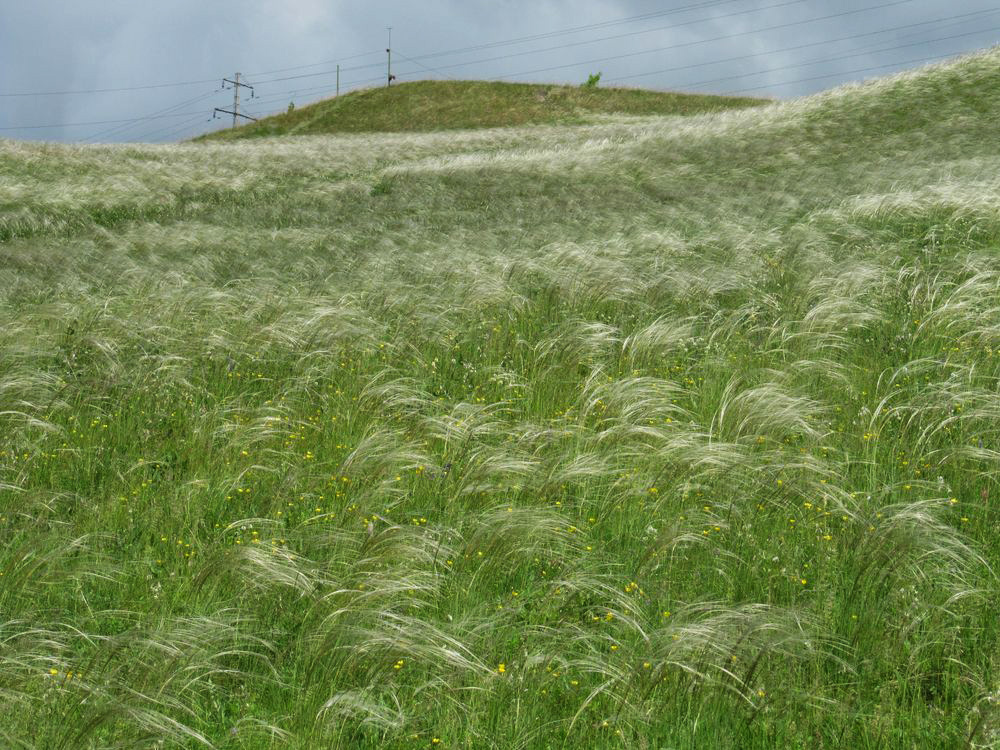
[[777, 48]]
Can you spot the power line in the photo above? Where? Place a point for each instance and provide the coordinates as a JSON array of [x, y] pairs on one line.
[[517, 40], [843, 57], [124, 128], [112, 90], [127, 123], [316, 89], [96, 122], [850, 37], [172, 84], [833, 75], [507, 42], [674, 46], [169, 130], [945, 20], [425, 67], [781, 4], [260, 82], [697, 42], [312, 65], [439, 70], [576, 29], [851, 72]]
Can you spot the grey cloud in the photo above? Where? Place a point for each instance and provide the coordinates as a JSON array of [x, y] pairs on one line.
[[82, 44]]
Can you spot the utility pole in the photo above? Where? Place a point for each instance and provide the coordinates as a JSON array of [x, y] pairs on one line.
[[338, 80], [388, 51], [236, 98], [235, 111]]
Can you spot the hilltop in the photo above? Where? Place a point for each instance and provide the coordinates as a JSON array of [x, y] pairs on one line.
[[641, 432], [424, 106]]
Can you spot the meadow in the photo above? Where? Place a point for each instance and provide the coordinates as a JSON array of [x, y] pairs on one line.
[[655, 432]]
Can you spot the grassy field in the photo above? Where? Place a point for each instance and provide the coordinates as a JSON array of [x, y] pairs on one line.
[[659, 432], [424, 106]]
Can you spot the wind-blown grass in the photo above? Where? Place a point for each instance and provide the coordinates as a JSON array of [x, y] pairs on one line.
[[662, 432]]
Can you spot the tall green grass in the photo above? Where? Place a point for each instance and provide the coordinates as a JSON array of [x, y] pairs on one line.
[[658, 433]]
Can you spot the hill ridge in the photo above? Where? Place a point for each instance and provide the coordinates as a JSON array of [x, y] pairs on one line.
[[422, 106]]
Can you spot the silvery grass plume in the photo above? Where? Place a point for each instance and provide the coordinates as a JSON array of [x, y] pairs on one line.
[[657, 340], [670, 431], [380, 454]]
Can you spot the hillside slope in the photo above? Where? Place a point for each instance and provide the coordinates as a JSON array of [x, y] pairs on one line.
[[678, 432], [448, 105]]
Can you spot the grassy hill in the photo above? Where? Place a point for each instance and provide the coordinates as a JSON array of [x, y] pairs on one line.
[[447, 105], [678, 432]]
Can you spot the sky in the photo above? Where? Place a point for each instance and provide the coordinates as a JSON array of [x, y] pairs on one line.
[[168, 58]]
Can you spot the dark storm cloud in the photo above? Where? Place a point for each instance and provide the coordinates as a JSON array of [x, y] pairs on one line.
[[782, 48]]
